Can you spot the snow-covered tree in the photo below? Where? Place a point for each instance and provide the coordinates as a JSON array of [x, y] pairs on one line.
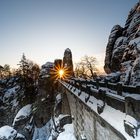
[[29, 74]]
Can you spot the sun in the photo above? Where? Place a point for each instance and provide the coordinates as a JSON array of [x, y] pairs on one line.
[[61, 73]]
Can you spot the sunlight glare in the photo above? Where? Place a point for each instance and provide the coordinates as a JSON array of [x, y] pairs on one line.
[[61, 73]]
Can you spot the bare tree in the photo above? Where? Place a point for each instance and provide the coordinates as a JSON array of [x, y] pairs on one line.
[[86, 67], [7, 71], [80, 70], [1, 72]]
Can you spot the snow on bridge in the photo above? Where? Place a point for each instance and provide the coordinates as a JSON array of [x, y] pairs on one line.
[[114, 104]]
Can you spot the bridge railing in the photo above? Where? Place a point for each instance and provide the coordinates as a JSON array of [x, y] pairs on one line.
[[110, 93], [98, 90], [119, 88], [120, 97]]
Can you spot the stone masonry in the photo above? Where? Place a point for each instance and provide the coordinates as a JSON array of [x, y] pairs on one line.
[[89, 125]]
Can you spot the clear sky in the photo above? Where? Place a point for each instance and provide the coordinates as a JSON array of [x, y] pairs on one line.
[[43, 29]]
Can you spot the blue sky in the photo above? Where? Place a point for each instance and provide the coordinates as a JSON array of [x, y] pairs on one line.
[[43, 29]]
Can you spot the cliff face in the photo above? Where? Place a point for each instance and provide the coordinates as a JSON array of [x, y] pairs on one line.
[[123, 49]]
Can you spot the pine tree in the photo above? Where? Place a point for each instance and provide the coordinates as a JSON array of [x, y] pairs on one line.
[[29, 73], [23, 66]]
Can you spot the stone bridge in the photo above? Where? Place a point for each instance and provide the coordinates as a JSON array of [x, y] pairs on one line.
[[102, 111]]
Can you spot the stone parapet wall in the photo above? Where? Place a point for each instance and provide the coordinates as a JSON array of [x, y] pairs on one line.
[[88, 124]]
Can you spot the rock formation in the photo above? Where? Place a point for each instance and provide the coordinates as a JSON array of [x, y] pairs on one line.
[[46, 69], [123, 49], [58, 63], [112, 44], [21, 119], [67, 62]]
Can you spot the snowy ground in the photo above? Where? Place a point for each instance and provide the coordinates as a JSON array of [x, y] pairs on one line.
[[51, 131], [68, 133], [42, 133]]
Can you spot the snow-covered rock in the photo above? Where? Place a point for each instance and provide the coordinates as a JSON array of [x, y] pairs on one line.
[[23, 121], [20, 137], [68, 133], [113, 77], [42, 133], [131, 126], [45, 69], [124, 46], [10, 94], [62, 120], [23, 114], [126, 69], [68, 62], [58, 98], [135, 75], [7, 133], [115, 33]]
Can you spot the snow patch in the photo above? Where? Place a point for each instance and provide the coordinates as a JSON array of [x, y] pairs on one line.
[[20, 136], [58, 98], [135, 41], [10, 92], [23, 113], [42, 133], [131, 120], [134, 96], [7, 133], [68, 133]]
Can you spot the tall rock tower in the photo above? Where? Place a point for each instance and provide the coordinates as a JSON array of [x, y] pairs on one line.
[[67, 62], [123, 49]]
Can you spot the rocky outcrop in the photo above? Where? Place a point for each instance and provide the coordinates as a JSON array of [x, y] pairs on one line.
[[67, 62], [115, 33], [9, 133], [23, 121], [11, 99], [46, 70], [123, 49], [20, 118]]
